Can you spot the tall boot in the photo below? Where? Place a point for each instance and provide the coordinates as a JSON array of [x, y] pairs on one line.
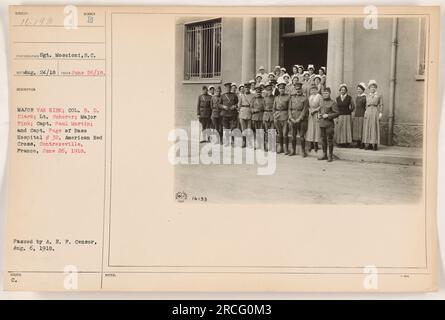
[[331, 155], [303, 148], [324, 156], [291, 146], [316, 147], [285, 145], [279, 144]]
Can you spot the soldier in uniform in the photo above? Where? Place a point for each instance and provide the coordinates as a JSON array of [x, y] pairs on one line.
[[281, 116], [244, 99], [298, 115], [204, 109], [229, 102], [216, 110], [257, 106], [328, 112], [268, 119]]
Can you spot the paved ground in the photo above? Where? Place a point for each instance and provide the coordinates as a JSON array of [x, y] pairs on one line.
[[304, 181]]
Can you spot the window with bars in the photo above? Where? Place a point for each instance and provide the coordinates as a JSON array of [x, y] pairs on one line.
[[202, 50]]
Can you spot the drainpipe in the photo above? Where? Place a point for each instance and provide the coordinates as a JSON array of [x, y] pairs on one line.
[[392, 83]]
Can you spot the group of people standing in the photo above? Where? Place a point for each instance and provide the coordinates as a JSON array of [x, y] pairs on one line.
[[297, 105]]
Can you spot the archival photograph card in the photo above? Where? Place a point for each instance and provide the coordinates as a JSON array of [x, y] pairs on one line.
[[222, 149]]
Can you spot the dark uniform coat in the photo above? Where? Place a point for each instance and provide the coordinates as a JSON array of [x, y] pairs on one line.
[[230, 100], [216, 106], [328, 107], [204, 108]]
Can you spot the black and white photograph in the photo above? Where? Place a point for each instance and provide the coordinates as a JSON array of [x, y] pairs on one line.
[[308, 110], [274, 150]]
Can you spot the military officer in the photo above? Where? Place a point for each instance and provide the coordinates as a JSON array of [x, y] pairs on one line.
[[229, 102], [204, 109], [281, 116], [244, 99], [328, 112], [257, 106], [268, 119], [298, 115], [216, 111]]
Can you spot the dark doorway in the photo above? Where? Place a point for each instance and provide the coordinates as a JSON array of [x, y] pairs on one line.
[[304, 49]]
